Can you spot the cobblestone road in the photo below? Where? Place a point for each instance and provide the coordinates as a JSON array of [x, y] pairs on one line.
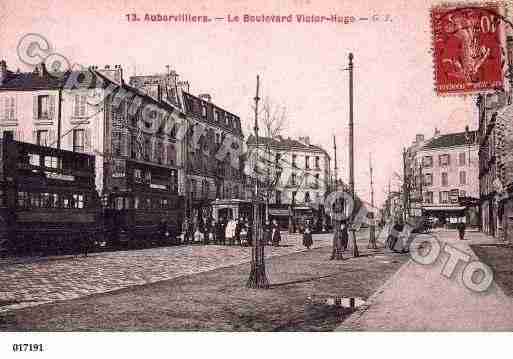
[[32, 282]]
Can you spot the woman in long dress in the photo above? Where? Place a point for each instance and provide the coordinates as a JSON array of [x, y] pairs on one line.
[[307, 235], [276, 236]]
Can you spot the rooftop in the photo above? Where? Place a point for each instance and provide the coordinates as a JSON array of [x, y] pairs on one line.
[[451, 140], [285, 144]]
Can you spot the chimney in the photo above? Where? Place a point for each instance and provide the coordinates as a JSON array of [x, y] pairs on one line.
[[184, 85], [305, 140], [419, 137], [205, 97], [437, 133], [113, 74], [3, 71], [40, 70]]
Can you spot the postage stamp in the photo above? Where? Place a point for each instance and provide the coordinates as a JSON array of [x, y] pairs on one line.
[[468, 48]]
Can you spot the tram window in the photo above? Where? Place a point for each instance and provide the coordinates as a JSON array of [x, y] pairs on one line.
[[78, 200], [136, 202], [164, 204], [148, 203], [23, 199], [35, 200], [34, 159], [52, 162]]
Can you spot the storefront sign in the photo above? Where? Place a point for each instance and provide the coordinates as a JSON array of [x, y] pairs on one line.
[[59, 176], [158, 186]]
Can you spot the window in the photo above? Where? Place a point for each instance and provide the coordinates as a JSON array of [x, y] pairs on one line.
[[43, 106], [317, 162], [427, 161], [79, 140], [35, 200], [307, 197], [277, 158], [116, 143], [293, 179], [138, 175], [148, 177], [278, 197], [216, 115], [203, 110], [79, 106], [428, 197], [428, 179], [445, 179], [42, 138], [173, 186], [444, 197], [294, 160], [23, 199], [461, 159], [444, 160], [294, 197], [307, 162], [147, 149], [78, 201], [463, 178], [316, 180], [10, 109], [34, 159], [52, 162]]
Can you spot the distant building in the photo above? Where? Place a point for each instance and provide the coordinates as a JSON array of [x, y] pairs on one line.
[[442, 177], [304, 178]]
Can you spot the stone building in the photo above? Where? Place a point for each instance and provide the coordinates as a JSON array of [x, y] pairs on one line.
[[212, 142], [442, 177], [303, 179], [94, 111]]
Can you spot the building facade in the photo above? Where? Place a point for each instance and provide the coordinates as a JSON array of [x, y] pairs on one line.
[[212, 143], [442, 176], [95, 112], [299, 176]]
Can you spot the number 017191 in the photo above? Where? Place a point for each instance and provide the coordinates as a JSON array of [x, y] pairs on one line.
[[27, 347]]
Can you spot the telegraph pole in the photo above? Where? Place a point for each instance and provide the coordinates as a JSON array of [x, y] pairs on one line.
[[372, 227], [336, 168], [351, 151], [257, 277], [405, 188]]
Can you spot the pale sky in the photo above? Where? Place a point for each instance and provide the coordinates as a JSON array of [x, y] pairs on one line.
[[300, 65]]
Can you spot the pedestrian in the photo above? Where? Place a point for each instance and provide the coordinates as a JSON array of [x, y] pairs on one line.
[[267, 232], [220, 228], [198, 236], [276, 236], [238, 228], [307, 235], [186, 231], [461, 230], [344, 235], [230, 231]]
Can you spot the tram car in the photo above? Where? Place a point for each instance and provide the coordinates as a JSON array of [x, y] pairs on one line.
[[48, 199], [143, 207]]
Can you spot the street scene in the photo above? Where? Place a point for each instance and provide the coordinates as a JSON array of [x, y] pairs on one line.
[[256, 168]]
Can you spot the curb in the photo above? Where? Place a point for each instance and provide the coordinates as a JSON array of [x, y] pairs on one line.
[[352, 322]]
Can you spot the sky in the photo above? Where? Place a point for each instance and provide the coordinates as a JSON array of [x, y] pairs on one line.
[[301, 65]]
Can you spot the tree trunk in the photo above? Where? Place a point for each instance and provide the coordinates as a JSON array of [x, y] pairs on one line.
[[257, 277], [354, 246]]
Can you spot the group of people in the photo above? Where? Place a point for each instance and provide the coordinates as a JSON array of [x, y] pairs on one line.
[[228, 232]]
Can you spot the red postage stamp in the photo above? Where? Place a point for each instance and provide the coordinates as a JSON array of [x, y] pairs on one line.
[[468, 48]]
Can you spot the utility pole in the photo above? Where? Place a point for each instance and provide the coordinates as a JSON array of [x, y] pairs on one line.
[[372, 227], [351, 151], [405, 188], [336, 168], [257, 277]]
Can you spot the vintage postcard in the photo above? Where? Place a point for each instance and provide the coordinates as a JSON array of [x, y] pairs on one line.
[[253, 166]]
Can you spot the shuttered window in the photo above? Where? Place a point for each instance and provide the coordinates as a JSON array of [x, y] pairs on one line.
[[79, 106]]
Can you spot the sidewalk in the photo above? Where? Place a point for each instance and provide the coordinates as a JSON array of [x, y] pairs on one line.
[[419, 298]]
